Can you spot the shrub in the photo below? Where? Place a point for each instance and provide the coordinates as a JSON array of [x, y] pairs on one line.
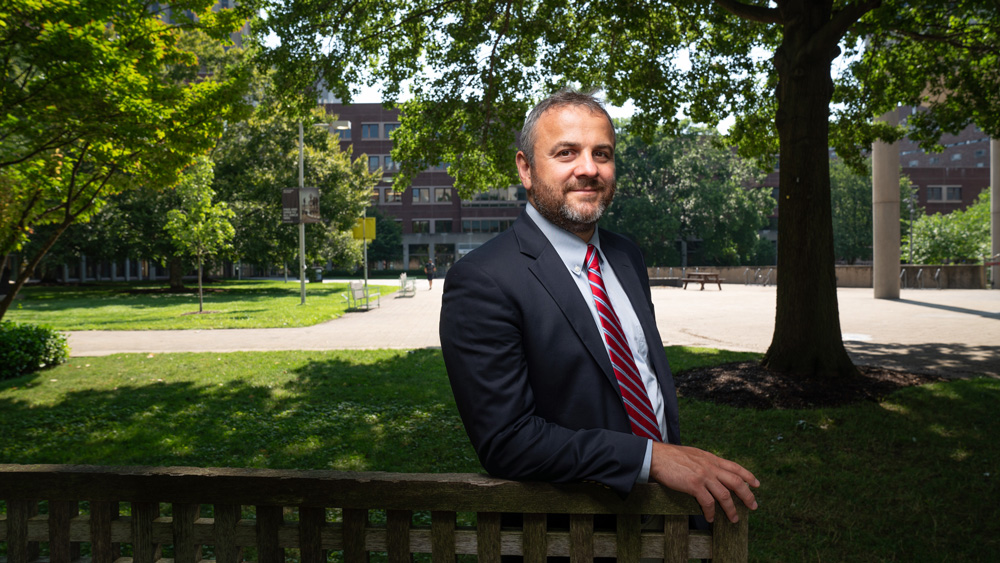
[[27, 348]]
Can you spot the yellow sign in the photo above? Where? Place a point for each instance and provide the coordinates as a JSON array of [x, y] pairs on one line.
[[364, 228]]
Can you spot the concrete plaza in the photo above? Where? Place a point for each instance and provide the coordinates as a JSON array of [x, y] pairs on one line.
[[949, 332]]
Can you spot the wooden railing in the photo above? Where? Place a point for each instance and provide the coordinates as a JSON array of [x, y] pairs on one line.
[[150, 514]]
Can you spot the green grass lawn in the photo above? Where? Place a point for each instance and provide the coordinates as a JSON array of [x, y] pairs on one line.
[[913, 478], [145, 306]]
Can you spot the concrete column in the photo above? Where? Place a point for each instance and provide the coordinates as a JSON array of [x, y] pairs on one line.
[[128, 270], [885, 215], [83, 268], [995, 208]]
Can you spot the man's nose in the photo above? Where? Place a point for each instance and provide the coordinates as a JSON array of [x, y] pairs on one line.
[[586, 165]]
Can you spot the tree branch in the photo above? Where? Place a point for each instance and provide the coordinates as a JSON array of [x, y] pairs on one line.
[[947, 39], [757, 14], [491, 74], [843, 19]]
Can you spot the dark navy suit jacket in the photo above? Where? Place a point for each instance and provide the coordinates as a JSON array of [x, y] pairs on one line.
[[528, 366]]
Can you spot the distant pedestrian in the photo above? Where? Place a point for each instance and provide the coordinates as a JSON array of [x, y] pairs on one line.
[[430, 270]]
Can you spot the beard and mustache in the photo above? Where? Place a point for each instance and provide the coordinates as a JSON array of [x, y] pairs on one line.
[[551, 203]]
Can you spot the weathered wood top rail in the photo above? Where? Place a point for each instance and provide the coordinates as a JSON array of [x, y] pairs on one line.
[[174, 514]]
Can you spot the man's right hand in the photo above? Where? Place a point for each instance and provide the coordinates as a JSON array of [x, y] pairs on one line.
[[705, 476]]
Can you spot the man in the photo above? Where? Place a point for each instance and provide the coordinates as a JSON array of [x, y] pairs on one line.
[[537, 365], [429, 271]]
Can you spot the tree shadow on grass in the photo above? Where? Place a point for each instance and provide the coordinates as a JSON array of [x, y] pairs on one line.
[[907, 479], [394, 414], [946, 360]]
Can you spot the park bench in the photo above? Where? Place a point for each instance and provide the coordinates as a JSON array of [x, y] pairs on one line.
[[181, 514], [407, 287], [702, 278], [358, 297]]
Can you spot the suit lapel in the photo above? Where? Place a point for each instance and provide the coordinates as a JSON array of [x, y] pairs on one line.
[[551, 273]]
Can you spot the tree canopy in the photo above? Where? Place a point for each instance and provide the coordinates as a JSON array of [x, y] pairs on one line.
[[693, 190], [199, 227], [474, 68], [100, 97], [852, 212], [258, 157]]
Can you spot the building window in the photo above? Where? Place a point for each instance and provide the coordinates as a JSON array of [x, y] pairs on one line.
[[369, 130], [486, 225], [442, 226], [392, 196], [375, 196], [389, 128], [980, 153], [343, 134], [374, 162], [421, 195], [956, 156], [390, 165], [944, 193], [442, 195], [914, 163], [421, 226], [934, 160]]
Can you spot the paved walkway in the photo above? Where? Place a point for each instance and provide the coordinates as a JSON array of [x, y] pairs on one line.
[[956, 332]]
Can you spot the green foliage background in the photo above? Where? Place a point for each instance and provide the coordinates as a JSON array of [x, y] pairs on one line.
[[959, 237], [690, 187]]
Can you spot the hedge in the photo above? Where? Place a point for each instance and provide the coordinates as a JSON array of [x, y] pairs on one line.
[[26, 349]]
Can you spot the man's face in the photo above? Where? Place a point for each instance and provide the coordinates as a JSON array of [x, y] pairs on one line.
[[573, 179]]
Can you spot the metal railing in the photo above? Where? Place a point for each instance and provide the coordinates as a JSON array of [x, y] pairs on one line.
[[767, 280]]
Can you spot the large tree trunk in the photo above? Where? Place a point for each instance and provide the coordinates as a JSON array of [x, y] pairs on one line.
[[807, 338]]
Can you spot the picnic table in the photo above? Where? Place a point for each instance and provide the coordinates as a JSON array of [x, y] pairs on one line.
[[702, 278]]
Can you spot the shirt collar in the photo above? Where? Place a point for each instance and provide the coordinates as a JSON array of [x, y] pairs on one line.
[[571, 249]]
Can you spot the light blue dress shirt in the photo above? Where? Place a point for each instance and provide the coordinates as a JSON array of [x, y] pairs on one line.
[[572, 250]]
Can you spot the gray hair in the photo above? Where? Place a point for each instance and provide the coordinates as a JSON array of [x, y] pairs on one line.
[[562, 98]]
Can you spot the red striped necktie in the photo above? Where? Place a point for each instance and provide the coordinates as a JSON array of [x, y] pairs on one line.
[[637, 405]]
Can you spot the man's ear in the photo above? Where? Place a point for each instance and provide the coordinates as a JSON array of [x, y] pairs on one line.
[[523, 169]]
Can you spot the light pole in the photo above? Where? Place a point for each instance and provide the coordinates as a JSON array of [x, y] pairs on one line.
[[331, 127]]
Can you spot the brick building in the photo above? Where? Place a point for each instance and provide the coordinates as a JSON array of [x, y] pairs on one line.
[[437, 224], [952, 179]]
